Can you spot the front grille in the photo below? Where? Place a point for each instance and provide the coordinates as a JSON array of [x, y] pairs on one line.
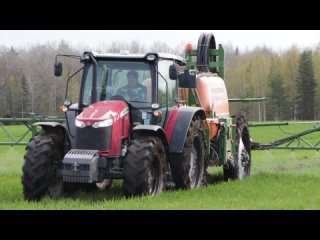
[[70, 167], [93, 138]]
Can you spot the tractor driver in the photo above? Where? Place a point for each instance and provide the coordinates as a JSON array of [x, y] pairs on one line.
[[133, 91]]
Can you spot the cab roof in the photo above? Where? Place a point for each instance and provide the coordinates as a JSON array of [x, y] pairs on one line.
[[179, 60]]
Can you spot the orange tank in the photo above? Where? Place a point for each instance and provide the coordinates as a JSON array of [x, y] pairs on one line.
[[213, 95]]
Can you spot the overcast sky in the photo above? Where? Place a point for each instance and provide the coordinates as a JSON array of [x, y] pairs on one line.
[[277, 39]]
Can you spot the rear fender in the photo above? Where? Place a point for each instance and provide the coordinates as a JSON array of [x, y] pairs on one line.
[[178, 125]]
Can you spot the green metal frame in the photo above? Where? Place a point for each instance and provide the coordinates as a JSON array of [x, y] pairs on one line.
[[288, 140], [219, 64], [29, 123], [226, 148]]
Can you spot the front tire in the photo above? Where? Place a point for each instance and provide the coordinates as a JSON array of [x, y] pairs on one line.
[[41, 161], [241, 166], [144, 167], [189, 168]]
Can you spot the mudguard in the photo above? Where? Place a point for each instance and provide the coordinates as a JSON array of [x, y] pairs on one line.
[[151, 130], [50, 127], [178, 124]]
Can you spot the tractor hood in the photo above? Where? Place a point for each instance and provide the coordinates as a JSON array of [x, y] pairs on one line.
[[103, 126], [101, 111]]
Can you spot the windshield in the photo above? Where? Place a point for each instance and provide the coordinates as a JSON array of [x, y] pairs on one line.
[[129, 80]]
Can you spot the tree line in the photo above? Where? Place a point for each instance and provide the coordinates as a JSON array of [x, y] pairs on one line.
[[289, 79]]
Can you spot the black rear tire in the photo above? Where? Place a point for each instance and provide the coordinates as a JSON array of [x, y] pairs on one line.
[[43, 157], [241, 166], [189, 168], [144, 167]]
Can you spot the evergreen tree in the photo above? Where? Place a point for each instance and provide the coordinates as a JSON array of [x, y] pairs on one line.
[[306, 87], [277, 104], [277, 99]]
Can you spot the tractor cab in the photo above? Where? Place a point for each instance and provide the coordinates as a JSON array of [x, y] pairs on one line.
[[141, 80]]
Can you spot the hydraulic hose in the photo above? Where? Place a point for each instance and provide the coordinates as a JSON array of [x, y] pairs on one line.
[[206, 42]]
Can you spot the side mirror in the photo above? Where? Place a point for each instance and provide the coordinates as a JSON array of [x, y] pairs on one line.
[[57, 69], [173, 72], [187, 80]]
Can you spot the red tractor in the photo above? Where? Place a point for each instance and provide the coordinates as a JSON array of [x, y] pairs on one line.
[[142, 119]]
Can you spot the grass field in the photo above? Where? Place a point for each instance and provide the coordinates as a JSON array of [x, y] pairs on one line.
[[280, 179]]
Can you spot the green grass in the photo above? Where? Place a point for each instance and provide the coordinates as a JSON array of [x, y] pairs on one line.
[[279, 180]]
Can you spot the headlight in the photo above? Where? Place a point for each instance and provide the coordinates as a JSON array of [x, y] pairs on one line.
[[80, 124], [105, 123]]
